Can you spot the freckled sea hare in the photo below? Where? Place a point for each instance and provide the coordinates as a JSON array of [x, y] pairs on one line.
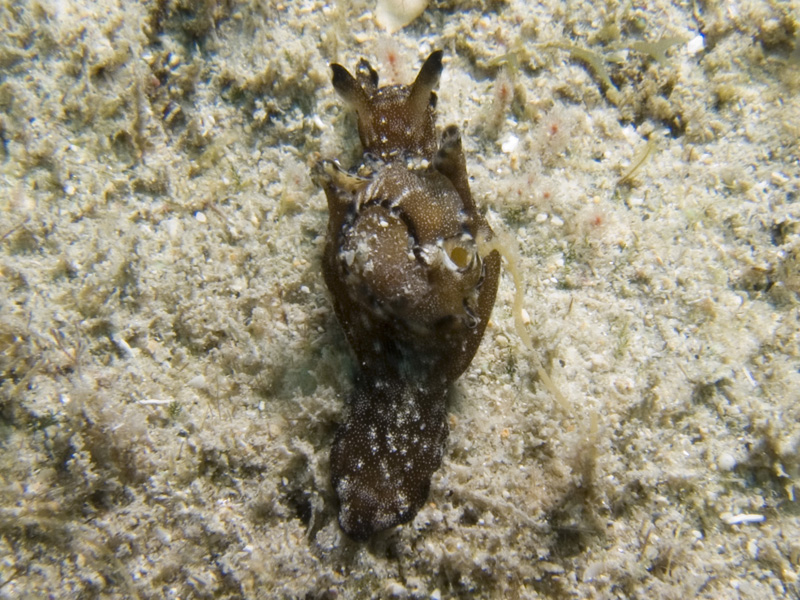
[[410, 287]]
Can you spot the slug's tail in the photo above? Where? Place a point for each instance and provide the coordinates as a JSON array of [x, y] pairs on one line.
[[383, 457]]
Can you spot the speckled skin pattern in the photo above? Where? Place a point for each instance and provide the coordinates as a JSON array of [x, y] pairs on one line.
[[409, 287]]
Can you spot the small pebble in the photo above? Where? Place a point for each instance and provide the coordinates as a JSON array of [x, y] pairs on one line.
[[696, 44], [510, 144], [726, 461]]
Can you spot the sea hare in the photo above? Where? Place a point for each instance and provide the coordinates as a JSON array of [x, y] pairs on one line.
[[411, 288]]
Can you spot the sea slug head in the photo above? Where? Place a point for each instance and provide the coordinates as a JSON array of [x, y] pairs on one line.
[[396, 119], [410, 285]]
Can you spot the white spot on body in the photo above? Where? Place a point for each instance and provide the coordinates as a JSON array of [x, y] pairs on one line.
[[402, 501]]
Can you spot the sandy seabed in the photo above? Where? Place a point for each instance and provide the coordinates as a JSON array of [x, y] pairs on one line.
[[172, 374]]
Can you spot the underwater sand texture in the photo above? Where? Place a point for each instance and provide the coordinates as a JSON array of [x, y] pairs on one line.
[[172, 373]]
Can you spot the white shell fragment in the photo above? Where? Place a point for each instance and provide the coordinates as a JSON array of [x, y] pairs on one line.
[[509, 144], [393, 15], [730, 519], [696, 44]]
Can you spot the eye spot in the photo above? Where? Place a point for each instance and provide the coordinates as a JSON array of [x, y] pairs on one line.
[[459, 256]]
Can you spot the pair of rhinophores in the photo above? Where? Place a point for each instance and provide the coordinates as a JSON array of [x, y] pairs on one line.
[[411, 288]]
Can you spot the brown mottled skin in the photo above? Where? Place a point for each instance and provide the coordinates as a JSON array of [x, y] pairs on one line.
[[409, 287]]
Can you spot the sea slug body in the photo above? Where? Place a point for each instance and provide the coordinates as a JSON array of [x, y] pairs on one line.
[[410, 287]]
